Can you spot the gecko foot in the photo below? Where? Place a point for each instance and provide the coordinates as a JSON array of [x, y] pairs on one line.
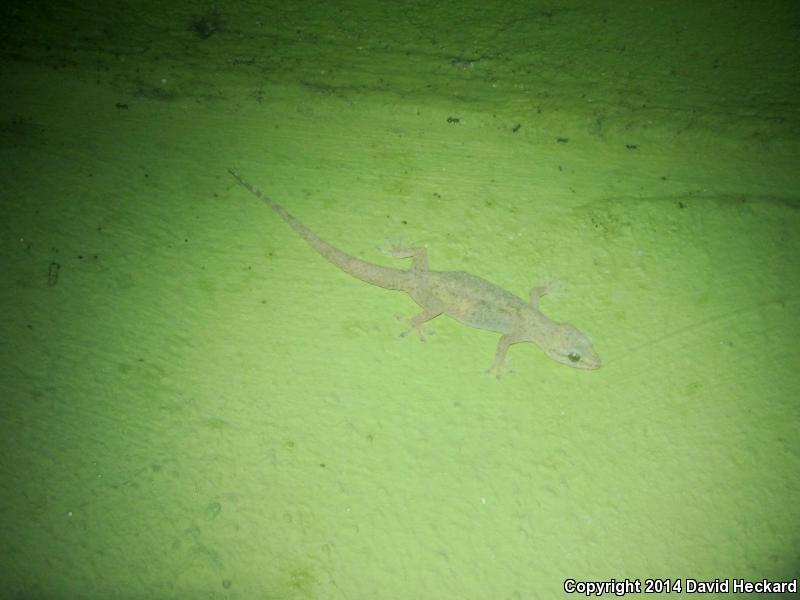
[[548, 287], [387, 246], [499, 372], [395, 248], [399, 249], [500, 369], [422, 332]]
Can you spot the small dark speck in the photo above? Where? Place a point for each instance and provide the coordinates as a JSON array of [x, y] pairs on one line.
[[30, 326], [322, 465], [681, 204], [121, 106], [186, 240], [562, 140], [80, 256], [516, 127], [404, 222], [227, 583], [631, 146], [206, 25], [453, 120]]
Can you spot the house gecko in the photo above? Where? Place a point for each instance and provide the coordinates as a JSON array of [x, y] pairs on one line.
[[466, 298]]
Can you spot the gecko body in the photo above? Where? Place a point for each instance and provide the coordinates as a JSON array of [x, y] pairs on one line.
[[467, 298]]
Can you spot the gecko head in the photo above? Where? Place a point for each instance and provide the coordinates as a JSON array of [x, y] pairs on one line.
[[573, 348]]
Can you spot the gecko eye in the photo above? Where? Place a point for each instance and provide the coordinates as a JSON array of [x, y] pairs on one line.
[[574, 357]]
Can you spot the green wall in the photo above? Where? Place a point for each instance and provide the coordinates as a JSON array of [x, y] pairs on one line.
[[196, 405]]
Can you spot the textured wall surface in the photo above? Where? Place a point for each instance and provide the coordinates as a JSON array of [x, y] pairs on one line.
[[195, 404]]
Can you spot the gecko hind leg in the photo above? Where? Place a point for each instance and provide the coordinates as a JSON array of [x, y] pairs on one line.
[[416, 323], [417, 254]]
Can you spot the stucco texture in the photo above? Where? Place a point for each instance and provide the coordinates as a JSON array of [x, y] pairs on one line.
[[196, 405]]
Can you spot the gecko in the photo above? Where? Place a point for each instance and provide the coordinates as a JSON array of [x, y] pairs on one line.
[[467, 298]]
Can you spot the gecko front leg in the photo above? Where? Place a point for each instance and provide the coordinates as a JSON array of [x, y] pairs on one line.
[[500, 356], [499, 363], [419, 263], [550, 287]]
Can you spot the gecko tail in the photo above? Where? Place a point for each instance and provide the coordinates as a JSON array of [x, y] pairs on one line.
[[392, 279], [284, 214]]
